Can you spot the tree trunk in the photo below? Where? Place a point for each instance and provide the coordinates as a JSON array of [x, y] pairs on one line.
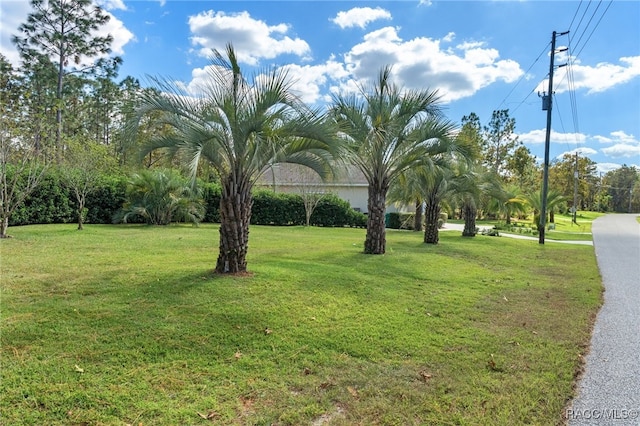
[[431, 215], [235, 213], [59, 86], [417, 220], [4, 225], [375, 242], [81, 200], [80, 221], [469, 213]]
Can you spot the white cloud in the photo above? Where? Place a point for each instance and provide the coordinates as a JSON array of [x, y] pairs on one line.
[[421, 62], [252, 39], [111, 4], [308, 82], [622, 145], [620, 150], [539, 136], [618, 136], [13, 14], [449, 37], [360, 17], [595, 79], [121, 35], [584, 151], [604, 168]]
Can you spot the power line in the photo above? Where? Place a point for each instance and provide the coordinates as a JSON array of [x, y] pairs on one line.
[[523, 77], [587, 25], [594, 29], [575, 14]]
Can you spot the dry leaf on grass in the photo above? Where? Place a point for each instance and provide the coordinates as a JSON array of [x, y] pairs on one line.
[[425, 376], [353, 391], [209, 416], [237, 355]]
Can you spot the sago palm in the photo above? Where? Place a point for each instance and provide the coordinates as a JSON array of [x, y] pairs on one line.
[[387, 130], [240, 127]]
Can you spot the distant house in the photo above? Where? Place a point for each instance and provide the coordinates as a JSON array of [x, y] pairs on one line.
[[348, 184]]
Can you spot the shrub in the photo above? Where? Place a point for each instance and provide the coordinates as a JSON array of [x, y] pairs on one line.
[[103, 203], [277, 209], [399, 220], [334, 211], [161, 197], [211, 194], [48, 203]]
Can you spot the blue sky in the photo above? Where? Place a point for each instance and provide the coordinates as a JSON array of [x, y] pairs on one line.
[[479, 55]]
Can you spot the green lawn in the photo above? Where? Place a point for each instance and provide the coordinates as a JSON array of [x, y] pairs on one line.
[[120, 325], [565, 229]]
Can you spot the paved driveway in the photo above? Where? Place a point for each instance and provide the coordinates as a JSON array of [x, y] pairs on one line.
[[609, 391]]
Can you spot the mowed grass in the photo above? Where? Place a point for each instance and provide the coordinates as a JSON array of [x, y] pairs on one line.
[[565, 229], [126, 325]]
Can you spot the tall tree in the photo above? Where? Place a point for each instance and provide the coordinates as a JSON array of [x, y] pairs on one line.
[[499, 140], [387, 130], [240, 127], [620, 184], [20, 170], [522, 170], [63, 31], [562, 179]]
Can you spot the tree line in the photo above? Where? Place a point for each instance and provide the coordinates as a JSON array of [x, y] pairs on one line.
[[65, 109]]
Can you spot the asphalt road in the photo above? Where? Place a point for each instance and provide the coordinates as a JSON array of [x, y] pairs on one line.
[[609, 391]]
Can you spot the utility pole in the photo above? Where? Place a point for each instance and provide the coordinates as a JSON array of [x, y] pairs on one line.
[[547, 105]]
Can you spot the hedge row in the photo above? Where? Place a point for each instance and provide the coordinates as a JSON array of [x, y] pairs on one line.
[[52, 202], [397, 220]]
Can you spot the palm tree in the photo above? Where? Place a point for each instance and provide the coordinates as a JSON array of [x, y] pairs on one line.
[[534, 200], [504, 199], [406, 190], [436, 186], [386, 131], [161, 197], [240, 128], [467, 187]]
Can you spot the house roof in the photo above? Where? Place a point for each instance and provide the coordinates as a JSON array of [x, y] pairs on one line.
[[298, 175]]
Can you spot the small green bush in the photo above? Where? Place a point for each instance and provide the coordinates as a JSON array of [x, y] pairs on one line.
[[211, 193], [279, 209], [399, 220], [103, 203], [48, 203]]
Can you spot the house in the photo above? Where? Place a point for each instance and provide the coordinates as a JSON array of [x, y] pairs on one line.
[[348, 183]]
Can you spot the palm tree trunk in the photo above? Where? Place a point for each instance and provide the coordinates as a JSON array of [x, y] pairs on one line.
[[469, 212], [235, 213], [417, 220], [375, 241], [431, 215]]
